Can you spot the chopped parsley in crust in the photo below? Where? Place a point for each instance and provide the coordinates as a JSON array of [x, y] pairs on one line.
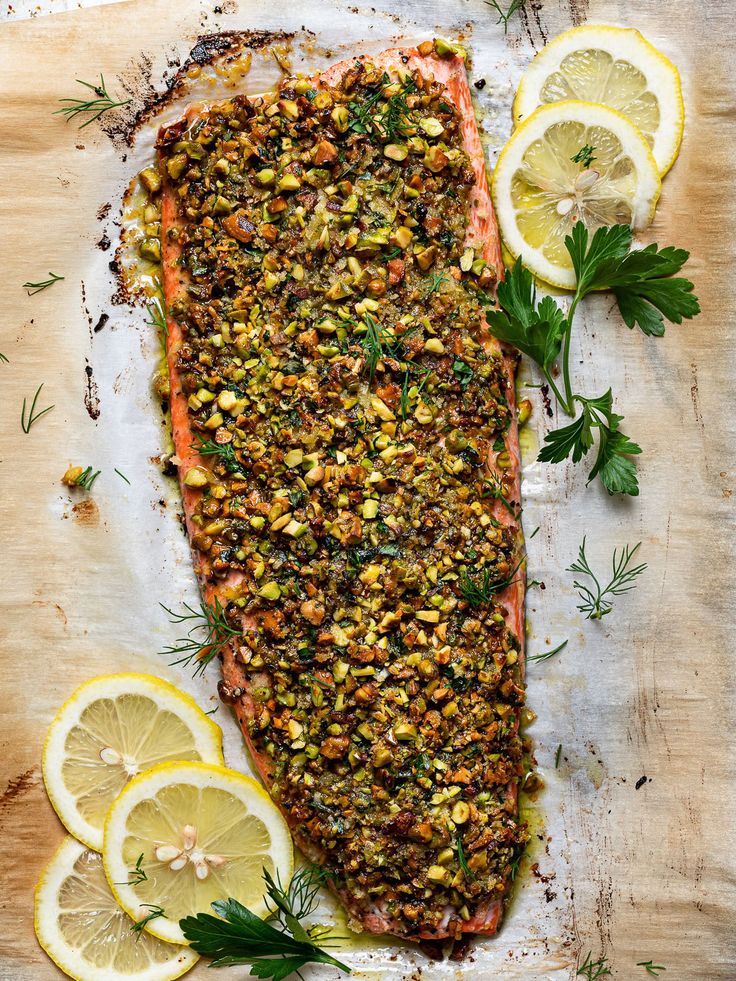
[[340, 411]]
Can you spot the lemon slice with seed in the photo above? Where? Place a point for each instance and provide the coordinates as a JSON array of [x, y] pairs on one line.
[[112, 728], [615, 66], [569, 162], [198, 833], [87, 935]]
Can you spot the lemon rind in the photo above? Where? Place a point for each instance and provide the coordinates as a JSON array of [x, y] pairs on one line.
[[57, 732], [160, 927], [48, 883], [526, 100], [588, 113]]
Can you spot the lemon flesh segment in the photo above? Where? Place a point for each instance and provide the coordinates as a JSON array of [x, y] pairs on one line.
[[614, 66], [540, 192], [83, 930], [204, 833], [111, 729]]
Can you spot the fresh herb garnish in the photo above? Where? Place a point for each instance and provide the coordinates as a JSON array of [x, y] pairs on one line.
[[612, 463], [155, 913], [121, 474], [492, 487], [480, 591], [558, 755], [505, 16], [461, 859], [623, 579], [588, 966], [86, 478], [584, 155], [3, 359], [33, 416], [651, 967], [158, 311], [213, 632], [546, 655], [225, 451], [647, 293], [237, 936], [136, 876], [93, 108], [436, 282], [33, 288], [463, 372]]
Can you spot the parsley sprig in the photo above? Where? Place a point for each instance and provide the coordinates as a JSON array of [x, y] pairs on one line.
[[274, 949], [647, 292]]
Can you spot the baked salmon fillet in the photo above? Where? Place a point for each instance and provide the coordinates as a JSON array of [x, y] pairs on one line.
[[346, 434]]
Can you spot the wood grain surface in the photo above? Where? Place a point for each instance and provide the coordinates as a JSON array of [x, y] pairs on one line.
[[630, 873]]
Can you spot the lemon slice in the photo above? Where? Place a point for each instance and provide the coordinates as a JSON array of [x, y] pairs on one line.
[[617, 67], [204, 833], [540, 191], [86, 934], [112, 728]]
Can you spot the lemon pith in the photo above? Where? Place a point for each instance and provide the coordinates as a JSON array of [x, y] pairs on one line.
[[614, 66], [540, 192], [82, 929], [205, 833], [111, 728]]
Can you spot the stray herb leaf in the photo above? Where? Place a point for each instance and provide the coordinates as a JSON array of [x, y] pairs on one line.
[[651, 967], [623, 579], [121, 474], [93, 108], [211, 624], [225, 451], [156, 911], [3, 359], [33, 416], [158, 311], [461, 859], [33, 288], [480, 591], [136, 875], [492, 487], [558, 754], [584, 155], [505, 16], [86, 478], [588, 966], [546, 655]]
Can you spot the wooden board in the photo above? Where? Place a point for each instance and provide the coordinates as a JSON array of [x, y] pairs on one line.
[[632, 873]]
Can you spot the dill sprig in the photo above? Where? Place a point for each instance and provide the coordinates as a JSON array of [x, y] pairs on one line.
[[33, 416], [623, 579], [93, 108], [584, 155], [155, 912], [588, 966], [158, 311], [546, 655], [33, 288], [136, 875], [505, 16], [480, 591], [389, 121], [461, 859], [208, 635], [436, 282], [86, 478], [651, 967], [237, 936], [225, 451], [492, 487], [122, 475]]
